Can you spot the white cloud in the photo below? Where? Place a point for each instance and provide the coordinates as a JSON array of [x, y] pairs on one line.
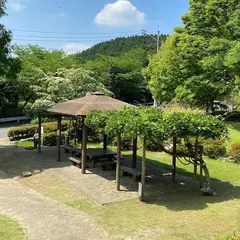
[[71, 48], [16, 5], [122, 13]]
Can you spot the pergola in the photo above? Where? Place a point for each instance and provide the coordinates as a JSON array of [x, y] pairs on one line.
[[80, 108]]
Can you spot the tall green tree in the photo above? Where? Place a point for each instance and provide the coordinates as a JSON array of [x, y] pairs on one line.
[[9, 93], [67, 84], [36, 65], [200, 62], [123, 75]]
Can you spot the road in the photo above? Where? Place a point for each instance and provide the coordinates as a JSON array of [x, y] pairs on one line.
[[4, 129]]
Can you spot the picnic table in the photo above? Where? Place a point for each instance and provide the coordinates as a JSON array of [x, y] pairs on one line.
[[97, 154]]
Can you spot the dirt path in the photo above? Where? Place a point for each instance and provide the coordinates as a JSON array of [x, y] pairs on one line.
[[43, 218]]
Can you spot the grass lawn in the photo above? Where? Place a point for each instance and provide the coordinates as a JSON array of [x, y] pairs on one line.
[[10, 229], [234, 131], [25, 144]]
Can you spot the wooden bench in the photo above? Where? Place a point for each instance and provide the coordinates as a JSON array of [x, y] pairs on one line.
[[68, 148], [115, 158], [133, 172], [76, 162], [105, 164]]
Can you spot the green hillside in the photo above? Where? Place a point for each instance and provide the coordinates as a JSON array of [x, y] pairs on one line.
[[121, 45]]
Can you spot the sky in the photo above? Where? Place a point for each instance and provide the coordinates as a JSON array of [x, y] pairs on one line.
[[76, 25]]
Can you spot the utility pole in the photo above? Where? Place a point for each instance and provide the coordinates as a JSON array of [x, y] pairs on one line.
[[144, 32]]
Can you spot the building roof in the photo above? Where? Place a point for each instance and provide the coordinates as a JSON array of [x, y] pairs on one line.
[[82, 106]]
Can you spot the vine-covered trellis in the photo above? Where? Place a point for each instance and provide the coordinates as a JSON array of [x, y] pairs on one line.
[[177, 134]]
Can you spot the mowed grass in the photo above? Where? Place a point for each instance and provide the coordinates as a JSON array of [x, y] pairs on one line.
[[25, 144], [234, 131], [10, 229]]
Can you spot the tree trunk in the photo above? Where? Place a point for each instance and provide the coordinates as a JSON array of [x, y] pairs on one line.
[[206, 189]]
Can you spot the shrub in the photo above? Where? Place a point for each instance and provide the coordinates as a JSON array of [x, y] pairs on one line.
[[153, 146], [234, 152], [23, 132], [50, 139], [126, 143], [214, 148]]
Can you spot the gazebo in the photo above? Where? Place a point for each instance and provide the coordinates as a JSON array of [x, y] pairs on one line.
[[80, 108]]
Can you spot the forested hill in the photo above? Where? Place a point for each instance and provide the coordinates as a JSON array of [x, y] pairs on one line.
[[121, 45]]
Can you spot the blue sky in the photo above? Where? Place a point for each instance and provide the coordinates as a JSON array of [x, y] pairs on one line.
[[75, 25]]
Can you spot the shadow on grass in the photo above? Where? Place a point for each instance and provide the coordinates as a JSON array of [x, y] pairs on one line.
[[185, 193], [182, 195]]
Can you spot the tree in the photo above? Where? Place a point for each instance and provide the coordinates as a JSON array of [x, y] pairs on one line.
[[119, 46], [36, 65], [200, 62], [9, 93], [163, 127], [67, 84], [122, 75]]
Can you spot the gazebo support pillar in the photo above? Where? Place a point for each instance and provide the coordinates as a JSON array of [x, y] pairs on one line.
[[143, 168], [39, 133], [118, 161], [134, 159], [59, 137], [174, 159], [195, 158], [105, 140], [84, 146]]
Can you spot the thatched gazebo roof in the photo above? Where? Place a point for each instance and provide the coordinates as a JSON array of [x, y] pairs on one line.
[[82, 106]]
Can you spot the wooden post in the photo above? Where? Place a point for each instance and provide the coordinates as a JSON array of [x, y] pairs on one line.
[[84, 146], [105, 141], [195, 158], [174, 159], [59, 137], [134, 159], [143, 167], [201, 169], [75, 132], [118, 161], [39, 133]]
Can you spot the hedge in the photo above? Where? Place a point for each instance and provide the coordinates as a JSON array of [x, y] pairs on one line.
[[214, 148], [234, 152], [23, 132], [50, 139]]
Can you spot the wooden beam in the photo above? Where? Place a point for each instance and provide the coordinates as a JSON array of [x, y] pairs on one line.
[[195, 158], [39, 133], [134, 158], [174, 159], [118, 161], [84, 145], [143, 168], [105, 140], [59, 137], [201, 168], [75, 132]]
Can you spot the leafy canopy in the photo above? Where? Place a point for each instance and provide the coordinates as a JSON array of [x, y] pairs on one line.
[[156, 124], [200, 62]]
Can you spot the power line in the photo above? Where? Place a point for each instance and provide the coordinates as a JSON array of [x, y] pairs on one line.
[[63, 41], [64, 37], [74, 33]]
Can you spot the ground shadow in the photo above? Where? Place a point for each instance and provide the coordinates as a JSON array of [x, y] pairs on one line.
[[184, 194]]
